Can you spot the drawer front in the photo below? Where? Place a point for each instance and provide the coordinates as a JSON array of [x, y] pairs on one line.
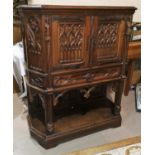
[[86, 77]]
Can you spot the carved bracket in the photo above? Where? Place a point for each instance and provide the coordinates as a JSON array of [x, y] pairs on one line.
[[57, 97], [42, 100], [47, 28], [87, 92]]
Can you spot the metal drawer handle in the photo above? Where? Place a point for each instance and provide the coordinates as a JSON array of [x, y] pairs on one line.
[[89, 76]]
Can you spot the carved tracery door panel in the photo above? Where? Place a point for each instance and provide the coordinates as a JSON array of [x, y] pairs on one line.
[[108, 39], [70, 43]]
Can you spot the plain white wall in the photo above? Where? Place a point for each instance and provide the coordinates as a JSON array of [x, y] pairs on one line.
[[136, 3]]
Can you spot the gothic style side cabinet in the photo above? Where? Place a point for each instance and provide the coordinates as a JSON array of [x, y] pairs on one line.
[[73, 53]]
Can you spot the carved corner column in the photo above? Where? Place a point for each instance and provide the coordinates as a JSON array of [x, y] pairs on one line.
[[118, 96], [49, 114]]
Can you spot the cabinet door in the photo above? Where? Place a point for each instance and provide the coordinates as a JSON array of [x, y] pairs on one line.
[[70, 35], [108, 40]]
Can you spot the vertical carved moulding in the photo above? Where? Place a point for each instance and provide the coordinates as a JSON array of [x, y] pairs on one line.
[[47, 46], [128, 34], [47, 34]]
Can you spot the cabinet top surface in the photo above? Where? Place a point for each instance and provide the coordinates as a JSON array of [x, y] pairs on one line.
[[53, 7]]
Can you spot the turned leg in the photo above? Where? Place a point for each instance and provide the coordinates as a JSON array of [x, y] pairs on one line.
[[118, 97], [49, 114]]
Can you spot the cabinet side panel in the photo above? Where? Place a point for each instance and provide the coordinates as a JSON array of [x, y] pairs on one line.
[[36, 55]]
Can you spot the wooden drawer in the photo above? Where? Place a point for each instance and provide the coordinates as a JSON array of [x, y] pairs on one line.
[[86, 77]]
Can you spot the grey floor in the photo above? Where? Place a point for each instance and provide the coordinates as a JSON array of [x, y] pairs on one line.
[[25, 145]]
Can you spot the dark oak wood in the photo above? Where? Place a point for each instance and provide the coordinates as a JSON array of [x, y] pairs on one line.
[[72, 54]]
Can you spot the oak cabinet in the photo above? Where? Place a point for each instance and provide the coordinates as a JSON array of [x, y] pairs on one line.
[[73, 53]]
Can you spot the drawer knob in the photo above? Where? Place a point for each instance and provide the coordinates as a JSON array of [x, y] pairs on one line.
[[89, 76]]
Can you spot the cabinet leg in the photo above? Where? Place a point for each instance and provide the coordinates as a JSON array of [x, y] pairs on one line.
[[118, 97], [30, 100], [129, 78], [49, 114]]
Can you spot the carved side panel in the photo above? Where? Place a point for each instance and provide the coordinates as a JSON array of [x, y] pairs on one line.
[[71, 42], [33, 35], [38, 41], [35, 51]]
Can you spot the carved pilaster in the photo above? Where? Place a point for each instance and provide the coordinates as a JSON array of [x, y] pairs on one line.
[[47, 34], [87, 92]]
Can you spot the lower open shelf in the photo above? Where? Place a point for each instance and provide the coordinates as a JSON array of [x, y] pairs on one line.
[[75, 125]]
